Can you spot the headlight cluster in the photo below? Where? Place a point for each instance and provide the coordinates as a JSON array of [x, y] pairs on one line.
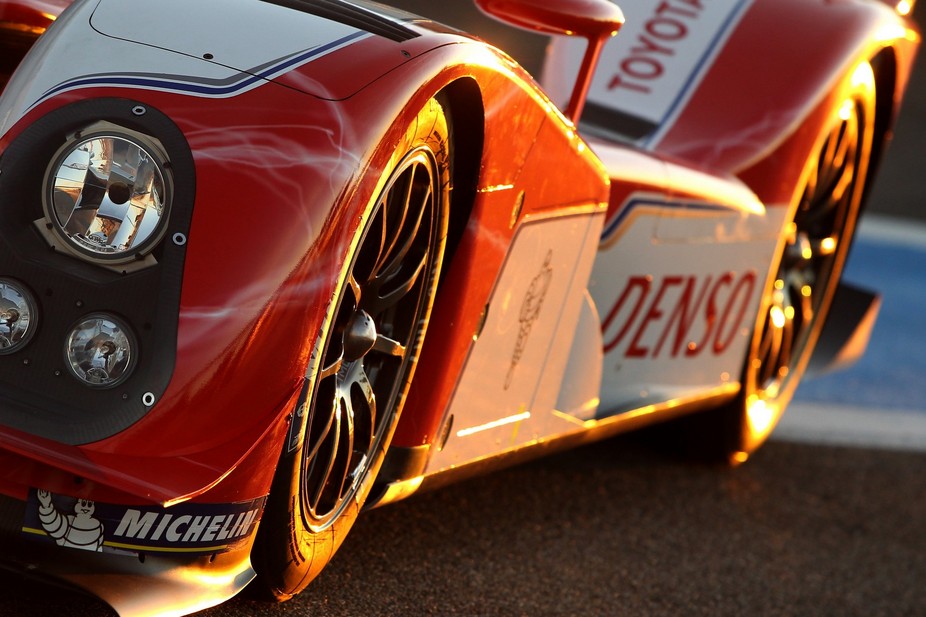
[[96, 207], [100, 349], [106, 200]]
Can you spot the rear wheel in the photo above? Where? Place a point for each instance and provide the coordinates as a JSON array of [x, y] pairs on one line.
[[816, 243], [363, 364]]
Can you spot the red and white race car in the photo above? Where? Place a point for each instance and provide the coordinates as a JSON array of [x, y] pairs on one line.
[[264, 263]]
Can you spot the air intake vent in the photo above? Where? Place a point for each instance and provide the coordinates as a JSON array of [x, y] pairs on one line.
[[351, 15]]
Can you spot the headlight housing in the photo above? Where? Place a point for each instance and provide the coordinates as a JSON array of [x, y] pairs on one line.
[[107, 195], [61, 382], [101, 351], [18, 316]]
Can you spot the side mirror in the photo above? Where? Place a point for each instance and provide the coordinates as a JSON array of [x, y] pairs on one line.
[[594, 20]]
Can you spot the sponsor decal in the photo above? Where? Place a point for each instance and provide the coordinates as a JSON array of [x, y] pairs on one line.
[[190, 528], [678, 316], [650, 69]]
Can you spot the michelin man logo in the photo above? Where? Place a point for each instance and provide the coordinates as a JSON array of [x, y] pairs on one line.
[[78, 530]]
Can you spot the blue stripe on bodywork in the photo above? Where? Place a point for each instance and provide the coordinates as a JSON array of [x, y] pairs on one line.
[[614, 224], [190, 85]]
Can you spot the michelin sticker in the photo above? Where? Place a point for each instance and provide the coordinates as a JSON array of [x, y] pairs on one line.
[[649, 70], [189, 528]]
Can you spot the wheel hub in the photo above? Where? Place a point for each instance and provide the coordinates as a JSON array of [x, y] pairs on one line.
[[360, 336]]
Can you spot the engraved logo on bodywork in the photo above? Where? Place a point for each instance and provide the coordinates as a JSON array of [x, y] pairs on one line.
[[530, 313]]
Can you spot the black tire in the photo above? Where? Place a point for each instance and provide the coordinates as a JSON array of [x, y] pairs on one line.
[[366, 358], [810, 262]]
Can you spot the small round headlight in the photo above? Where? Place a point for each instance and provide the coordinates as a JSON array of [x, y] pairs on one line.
[[107, 194], [18, 316], [101, 351]]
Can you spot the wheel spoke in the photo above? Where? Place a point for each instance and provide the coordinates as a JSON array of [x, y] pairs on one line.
[[410, 227], [389, 347], [330, 370], [321, 437], [346, 442], [381, 301], [355, 288], [368, 399], [323, 464], [768, 351], [394, 207]]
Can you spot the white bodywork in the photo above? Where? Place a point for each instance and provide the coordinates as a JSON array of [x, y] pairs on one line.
[[662, 313], [108, 40], [507, 395], [678, 280]]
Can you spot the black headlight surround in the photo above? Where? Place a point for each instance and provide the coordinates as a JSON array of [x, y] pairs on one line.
[[37, 393]]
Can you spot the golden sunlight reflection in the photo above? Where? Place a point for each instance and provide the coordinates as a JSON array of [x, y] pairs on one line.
[[778, 317], [904, 7], [760, 414], [845, 111]]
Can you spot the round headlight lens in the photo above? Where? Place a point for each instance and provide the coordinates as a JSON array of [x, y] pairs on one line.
[[18, 316], [107, 195], [101, 351]]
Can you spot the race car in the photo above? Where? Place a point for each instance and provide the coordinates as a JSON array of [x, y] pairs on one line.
[[267, 263]]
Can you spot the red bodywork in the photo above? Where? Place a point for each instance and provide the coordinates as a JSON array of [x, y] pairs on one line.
[[296, 273], [235, 433], [763, 127], [32, 15], [252, 305]]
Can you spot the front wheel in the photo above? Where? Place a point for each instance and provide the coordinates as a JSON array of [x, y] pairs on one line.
[[365, 360]]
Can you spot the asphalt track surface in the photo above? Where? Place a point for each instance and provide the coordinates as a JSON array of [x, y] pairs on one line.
[[625, 528]]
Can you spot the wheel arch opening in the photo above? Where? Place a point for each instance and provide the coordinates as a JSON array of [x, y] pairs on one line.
[[884, 66], [463, 102]]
